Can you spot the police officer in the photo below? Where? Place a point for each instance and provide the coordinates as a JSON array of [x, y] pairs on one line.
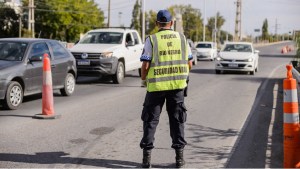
[[166, 63]]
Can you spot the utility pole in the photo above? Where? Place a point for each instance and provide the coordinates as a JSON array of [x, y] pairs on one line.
[[204, 20], [108, 14], [20, 25], [143, 21], [120, 19], [215, 30], [276, 29], [238, 20], [31, 17]]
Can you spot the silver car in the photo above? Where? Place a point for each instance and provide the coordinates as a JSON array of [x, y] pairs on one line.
[[21, 68]]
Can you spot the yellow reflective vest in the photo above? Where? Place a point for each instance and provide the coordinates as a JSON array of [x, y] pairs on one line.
[[169, 65]]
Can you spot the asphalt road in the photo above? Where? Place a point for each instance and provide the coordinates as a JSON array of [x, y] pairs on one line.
[[233, 121]]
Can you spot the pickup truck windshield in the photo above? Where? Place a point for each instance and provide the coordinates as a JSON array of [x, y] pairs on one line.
[[102, 38], [12, 51]]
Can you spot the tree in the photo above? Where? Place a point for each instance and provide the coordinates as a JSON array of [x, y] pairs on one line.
[[9, 22], [151, 23], [136, 17], [192, 22], [65, 19], [265, 32], [211, 25]]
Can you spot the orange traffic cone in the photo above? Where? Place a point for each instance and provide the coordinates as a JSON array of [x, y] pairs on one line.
[[47, 95], [291, 133]]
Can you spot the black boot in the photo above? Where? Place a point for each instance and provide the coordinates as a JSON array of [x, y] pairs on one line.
[[179, 158], [146, 159]]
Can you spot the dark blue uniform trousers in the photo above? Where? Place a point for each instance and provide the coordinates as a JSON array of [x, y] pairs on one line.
[[153, 105]]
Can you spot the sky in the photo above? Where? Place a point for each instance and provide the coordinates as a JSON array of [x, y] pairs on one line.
[[254, 12]]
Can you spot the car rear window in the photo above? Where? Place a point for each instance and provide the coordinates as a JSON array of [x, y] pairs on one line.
[[12, 51], [203, 45], [102, 37]]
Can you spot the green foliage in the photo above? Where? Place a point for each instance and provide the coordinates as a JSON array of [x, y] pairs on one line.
[[265, 33], [151, 27], [9, 22], [136, 17], [192, 22], [211, 25], [65, 19]]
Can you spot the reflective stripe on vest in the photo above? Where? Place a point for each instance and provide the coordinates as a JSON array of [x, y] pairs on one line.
[[169, 65]]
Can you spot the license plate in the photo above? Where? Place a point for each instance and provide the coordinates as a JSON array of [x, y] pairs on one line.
[[233, 65], [83, 62]]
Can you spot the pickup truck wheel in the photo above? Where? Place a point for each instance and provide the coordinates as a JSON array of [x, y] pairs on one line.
[[13, 96], [120, 74], [69, 85], [218, 71], [140, 72]]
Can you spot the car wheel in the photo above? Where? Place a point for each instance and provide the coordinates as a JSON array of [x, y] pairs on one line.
[[69, 85], [256, 69], [218, 71], [13, 96], [120, 74]]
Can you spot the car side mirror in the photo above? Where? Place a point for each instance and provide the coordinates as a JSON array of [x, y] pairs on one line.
[[76, 42], [36, 58], [256, 51], [130, 43]]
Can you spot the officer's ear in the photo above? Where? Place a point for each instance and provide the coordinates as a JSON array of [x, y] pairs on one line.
[[171, 24]]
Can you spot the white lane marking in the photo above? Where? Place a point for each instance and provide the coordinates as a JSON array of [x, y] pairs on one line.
[[255, 105], [270, 131]]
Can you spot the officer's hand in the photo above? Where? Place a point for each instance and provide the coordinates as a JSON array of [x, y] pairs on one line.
[[143, 83]]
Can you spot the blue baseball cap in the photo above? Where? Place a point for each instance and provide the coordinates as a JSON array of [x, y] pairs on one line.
[[163, 16]]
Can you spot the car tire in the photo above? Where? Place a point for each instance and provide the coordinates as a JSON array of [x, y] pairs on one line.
[[120, 73], [256, 69], [13, 96], [218, 71], [252, 72], [69, 85]]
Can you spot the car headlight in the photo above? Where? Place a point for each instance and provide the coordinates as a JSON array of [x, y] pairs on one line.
[[219, 58], [250, 59], [106, 55]]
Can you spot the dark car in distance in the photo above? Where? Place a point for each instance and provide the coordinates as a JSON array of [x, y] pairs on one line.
[[21, 68]]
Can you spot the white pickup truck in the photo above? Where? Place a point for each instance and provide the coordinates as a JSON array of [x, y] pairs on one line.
[[109, 51]]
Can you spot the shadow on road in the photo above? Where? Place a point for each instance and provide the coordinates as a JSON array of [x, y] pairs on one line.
[[202, 134], [53, 158], [260, 146], [203, 71], [278, 56], [60, 158]]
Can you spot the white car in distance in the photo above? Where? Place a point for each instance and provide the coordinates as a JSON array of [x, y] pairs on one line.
[[237, 56], [206, 51]]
